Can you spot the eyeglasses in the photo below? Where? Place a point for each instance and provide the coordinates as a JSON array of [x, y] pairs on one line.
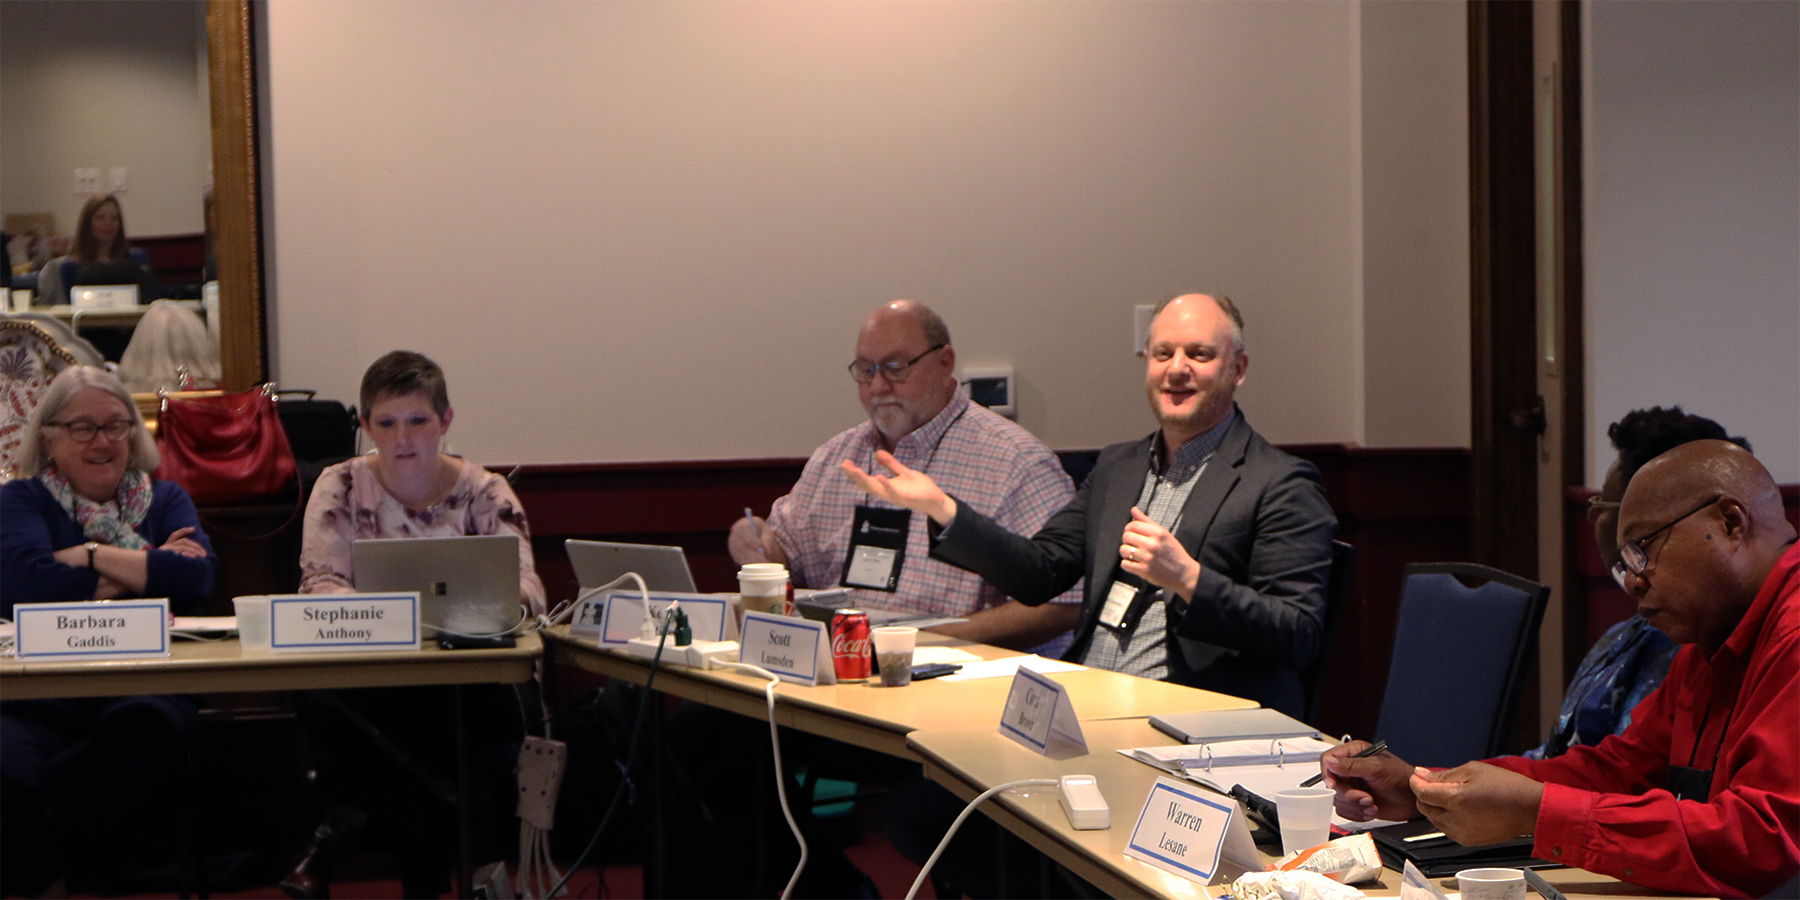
[[83, 431], [894, 371], [1635, 555], [1596, 506]]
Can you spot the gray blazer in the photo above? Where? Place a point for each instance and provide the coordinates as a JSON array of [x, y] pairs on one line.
[[1259, 525]]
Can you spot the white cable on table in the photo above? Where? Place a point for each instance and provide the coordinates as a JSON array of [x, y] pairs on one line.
[[780, 782], [1028, 782]]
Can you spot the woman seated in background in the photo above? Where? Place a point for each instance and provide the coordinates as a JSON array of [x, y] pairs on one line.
[[99, 237], [407, 488], [168, 343], [87, 522]]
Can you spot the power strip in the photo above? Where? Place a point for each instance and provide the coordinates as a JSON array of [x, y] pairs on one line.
[[699, 654], [1083, 804]]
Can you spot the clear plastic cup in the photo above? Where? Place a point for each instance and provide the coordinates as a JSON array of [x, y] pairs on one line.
[[252, 622], [1305, 815], [894, 652]]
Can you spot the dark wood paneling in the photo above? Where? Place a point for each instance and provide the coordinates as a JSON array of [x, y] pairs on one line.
[[1396, 506]]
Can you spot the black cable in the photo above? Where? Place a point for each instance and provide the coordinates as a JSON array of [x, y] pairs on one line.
[[637, 731]]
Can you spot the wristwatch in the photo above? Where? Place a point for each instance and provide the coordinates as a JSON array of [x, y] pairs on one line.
[[91, 547]]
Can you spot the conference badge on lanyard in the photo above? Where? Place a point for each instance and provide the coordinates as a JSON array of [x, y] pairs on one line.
[[877, 549]]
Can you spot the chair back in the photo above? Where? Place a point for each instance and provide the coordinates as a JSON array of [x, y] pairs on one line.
[[1337, 586], [29, 360], [1460, 656]]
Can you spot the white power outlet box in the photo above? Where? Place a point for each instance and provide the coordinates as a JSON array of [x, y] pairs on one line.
[[1140, 327], [1083, 804]]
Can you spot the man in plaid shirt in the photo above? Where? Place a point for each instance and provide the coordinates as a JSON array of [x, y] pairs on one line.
[[905, 375]]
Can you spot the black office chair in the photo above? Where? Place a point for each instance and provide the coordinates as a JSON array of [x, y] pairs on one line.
[[1460, 656], [1337, 585]]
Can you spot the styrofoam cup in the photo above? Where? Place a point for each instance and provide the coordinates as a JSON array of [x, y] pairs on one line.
[[893, 653], [1305, 815], [1491, 884], [252, 622]]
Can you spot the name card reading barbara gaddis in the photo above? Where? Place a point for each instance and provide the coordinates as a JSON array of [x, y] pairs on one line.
[[110, 629], [323, 622]]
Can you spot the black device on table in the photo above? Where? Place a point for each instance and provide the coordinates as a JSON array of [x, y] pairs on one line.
[[934, 670]]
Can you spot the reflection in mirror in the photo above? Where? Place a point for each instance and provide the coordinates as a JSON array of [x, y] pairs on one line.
[[147, 100]]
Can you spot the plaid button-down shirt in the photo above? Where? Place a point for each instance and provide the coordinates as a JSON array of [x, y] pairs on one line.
[[982, 459]]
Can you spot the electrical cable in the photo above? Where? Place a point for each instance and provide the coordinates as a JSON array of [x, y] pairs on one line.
[[780, 780], [637, 731], [1029, 782]]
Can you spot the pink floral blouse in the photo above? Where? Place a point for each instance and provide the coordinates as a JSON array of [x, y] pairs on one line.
[[348, 504]]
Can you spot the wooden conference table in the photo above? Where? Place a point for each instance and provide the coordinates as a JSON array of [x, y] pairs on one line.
[[207, 667], [952, 728]]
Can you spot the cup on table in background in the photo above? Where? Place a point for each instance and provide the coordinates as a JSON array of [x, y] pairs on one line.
[[764, 588], [1305, 815], [1491, 884], [894, 653], [252, 622]]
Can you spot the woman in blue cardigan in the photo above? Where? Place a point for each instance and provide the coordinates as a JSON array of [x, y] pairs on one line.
[[88, 522]]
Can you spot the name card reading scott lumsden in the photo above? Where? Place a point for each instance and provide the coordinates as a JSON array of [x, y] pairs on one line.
[[326, 622], [119, 629], [788, 647]]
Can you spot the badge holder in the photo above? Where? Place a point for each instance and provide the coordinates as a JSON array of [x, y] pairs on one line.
[[877, 549]]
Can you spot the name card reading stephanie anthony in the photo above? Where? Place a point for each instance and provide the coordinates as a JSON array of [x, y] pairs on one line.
[[1038, 713], [794, 649], [313, 623], [119, 629], [1186, 830]]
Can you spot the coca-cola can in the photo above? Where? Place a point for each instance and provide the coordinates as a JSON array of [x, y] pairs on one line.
[[852, 652]]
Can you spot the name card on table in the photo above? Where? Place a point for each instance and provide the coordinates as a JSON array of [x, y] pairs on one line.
[[312, 623], [614, 617], [1186, 830], [119, 629], [794, 649], [1038, 713]]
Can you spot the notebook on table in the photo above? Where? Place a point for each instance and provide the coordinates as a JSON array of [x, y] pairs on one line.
[[467, 585], [1230, 724], [598, 563]]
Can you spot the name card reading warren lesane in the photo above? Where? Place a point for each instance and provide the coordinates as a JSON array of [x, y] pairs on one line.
[[313, 623], [1186, 831], [112, 629], [794, 649], [1038, 713]]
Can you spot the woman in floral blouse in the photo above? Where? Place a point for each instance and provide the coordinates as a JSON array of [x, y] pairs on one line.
[[407, 488]]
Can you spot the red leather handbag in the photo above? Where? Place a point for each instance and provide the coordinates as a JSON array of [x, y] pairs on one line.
[[227, 449]]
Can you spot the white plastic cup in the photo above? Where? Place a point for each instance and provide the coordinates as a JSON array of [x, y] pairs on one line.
[[1305, 815], [763, 587], [1491, 884], [894, 652], [252, 622]]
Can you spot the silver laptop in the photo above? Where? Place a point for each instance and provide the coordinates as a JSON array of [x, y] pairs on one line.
[[600, 562], [467, 585]]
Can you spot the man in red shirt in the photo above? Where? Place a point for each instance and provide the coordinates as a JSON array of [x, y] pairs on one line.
[[1701, 794]]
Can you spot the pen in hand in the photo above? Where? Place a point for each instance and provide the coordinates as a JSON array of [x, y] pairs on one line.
[[755, 532], [1371, 750]]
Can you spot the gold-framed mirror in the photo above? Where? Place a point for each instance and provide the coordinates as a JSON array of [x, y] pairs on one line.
[[238, 239]]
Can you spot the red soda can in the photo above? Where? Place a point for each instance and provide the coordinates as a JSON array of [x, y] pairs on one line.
[[852, 651]]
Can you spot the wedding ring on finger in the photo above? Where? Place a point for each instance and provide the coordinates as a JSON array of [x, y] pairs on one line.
[[1131, 554]]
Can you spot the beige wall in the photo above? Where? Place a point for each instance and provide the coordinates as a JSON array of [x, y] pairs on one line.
[[646, 231], [104, 84], [1693, 224]]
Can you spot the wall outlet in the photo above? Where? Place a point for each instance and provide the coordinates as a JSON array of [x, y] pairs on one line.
[[87, 181], [1140, 327], [115, 181]]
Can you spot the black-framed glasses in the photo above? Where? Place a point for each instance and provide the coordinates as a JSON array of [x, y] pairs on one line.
[[1635, 555], [83, 431], [895, 371]]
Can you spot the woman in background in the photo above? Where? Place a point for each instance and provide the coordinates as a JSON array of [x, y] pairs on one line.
[[99, 237], [83, 781], [407, 488]]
